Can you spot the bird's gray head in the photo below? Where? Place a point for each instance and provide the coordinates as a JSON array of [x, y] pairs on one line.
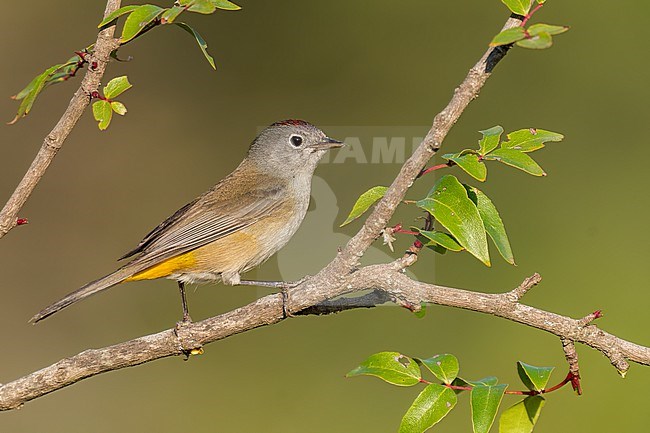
[[290, 146]]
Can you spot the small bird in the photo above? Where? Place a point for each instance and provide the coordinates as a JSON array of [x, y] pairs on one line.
[[235, 226]]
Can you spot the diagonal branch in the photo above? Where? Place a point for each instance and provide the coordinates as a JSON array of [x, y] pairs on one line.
[[348, 258], [53, 142], [330, 282]]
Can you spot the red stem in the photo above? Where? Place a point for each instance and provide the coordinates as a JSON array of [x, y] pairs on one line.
[[530, 14], [397, 228], [406, 232], [570, 378], [435, 167], [96, 95]]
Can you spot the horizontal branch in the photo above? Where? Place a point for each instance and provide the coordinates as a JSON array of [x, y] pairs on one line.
[[268, 310], [618, 351]]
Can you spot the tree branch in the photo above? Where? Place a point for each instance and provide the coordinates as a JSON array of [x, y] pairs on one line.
[[341, 276], [53, 142], [269, 310], [348, 258]]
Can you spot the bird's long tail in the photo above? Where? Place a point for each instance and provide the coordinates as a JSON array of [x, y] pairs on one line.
[[87, 290]]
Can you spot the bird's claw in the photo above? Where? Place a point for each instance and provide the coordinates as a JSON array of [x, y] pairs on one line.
[[284, 290]]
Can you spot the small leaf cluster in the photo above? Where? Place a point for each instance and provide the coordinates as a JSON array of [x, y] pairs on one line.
[[141, 18], [537, 36], [104, 108], [469, 216], [466, 212], [437, 399], [51, 75], [513, 152]]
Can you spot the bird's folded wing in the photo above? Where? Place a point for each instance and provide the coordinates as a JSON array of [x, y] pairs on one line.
[[204, 221]]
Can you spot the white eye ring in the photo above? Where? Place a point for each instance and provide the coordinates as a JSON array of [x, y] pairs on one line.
[[296, 140]]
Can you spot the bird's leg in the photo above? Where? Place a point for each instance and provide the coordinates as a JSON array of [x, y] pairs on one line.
[[186, 314], [269, 284], [283, 286], [273, 285]]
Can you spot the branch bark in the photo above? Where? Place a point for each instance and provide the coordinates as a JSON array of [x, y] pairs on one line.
[[341, 276], [53, 142], [387, 278]]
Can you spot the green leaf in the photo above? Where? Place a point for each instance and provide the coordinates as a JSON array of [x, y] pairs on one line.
[[536, 29], [364, 202], [535, 378], [486, 381], [28, 94], [116, 14], [118, 107], [521, 417], [138, 20], [171, 14], [26, 91], [450, 205], [485, 401], [63, 73], [432, 405], [508, 36], [442, 239], [490, 140], [537, 42], [393, 367], [470, 165], [493, 225], [444, 367], [530, 139], [520, 7], [517, 159], [116, 87], [199, 40], [226, 5], [103, 113], [201, 6], [432, 245]]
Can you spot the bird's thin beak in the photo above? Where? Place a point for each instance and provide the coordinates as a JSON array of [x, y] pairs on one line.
[[327, 143]]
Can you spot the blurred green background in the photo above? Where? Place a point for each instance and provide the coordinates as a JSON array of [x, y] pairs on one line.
[[366, 69]]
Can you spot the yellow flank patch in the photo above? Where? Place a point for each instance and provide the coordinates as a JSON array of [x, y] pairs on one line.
[[166, 268]]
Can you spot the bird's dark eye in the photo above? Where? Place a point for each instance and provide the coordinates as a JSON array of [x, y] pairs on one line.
[[296, 140]]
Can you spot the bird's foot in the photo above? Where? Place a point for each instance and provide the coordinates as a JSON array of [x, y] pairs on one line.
[[284, 291], [187, 344]]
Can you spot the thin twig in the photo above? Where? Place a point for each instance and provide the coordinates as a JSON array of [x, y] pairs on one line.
[[571, 356], [55, 139], [518, 292]]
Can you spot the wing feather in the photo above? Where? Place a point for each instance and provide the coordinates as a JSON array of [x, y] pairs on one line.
[[203, 221]]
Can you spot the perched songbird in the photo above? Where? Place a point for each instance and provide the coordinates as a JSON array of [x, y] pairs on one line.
[[233, 227]]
